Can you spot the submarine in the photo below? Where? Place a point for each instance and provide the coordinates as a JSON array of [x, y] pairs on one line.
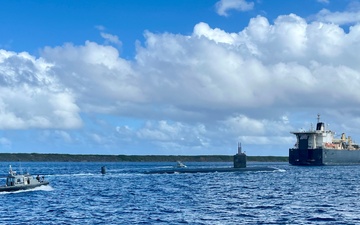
[[239, 165]]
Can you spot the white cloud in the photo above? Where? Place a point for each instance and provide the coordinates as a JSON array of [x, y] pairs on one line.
[[95, 72], [163, 132], [100, 27], [110, 38], [31, 96], [257, 131], [217, 35], [223, 6], [64, 136], [261, 65], [203, 91], [340, 18], [324, 1]]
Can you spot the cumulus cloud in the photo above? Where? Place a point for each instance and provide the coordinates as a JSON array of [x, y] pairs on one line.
[[285, 66], [223, 6], [281, 60], [206, 90], [100, 78], [31, 96], [340, 18]]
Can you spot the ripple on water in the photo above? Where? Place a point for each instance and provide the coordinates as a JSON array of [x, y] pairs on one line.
[[79, 194]]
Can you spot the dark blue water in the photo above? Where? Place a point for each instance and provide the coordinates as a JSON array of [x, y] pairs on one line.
[[79, 194]]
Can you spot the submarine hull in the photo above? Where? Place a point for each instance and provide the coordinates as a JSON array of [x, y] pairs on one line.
[[210, 170]]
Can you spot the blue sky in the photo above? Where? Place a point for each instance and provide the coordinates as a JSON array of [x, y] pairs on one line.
[[175, 77]]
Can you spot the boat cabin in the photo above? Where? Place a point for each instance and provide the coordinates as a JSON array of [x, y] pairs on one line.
[[14, 179]]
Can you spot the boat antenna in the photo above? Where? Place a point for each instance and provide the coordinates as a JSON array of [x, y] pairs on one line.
[[21, 170], [318, 118]]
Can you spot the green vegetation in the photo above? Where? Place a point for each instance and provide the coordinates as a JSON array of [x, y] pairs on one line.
[[34, 157], [267, 159]]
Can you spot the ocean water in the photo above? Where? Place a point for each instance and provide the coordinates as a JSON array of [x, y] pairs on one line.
[[80, 194]]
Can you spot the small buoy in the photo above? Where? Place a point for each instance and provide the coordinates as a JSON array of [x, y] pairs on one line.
[[103, 169]]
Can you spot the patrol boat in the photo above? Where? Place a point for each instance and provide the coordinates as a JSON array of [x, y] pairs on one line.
[[16, 182], [319, 147]]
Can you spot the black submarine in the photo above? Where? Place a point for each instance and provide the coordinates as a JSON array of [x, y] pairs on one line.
[[239, 166]]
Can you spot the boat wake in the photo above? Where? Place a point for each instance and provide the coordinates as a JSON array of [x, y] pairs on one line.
[[41, 188], [74, 175], [274, 170]]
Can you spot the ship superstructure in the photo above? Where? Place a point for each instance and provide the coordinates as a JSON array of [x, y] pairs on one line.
[[319, 147]]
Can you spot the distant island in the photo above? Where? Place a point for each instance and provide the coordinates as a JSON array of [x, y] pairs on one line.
[[36, 157]]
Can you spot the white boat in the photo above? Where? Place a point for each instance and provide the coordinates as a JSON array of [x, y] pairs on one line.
[[16, 182]]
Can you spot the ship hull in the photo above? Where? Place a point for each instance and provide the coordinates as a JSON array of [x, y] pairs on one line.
[[22, 187], [323, 156]]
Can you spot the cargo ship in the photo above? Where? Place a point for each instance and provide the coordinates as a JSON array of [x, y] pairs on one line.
[[319, 147]]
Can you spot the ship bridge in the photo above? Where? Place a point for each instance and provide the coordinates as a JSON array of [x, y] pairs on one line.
[[312, 139]]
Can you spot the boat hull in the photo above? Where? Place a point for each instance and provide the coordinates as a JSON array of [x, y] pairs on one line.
[[22, 187], [323, 156]]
